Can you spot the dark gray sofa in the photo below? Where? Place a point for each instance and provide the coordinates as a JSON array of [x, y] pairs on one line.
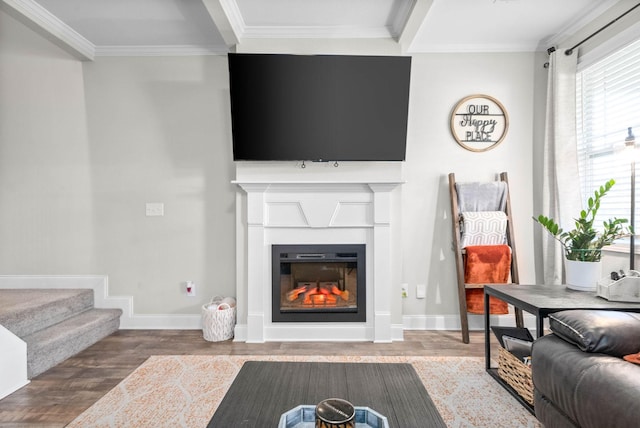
[[579, 376]]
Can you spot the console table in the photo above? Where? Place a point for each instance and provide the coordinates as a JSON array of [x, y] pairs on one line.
[[541, 300]]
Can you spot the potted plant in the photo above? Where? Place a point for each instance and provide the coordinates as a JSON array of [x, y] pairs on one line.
[[584, 243]]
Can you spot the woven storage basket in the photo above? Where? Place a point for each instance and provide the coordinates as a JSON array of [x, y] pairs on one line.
[[516, 373], [218, 320]]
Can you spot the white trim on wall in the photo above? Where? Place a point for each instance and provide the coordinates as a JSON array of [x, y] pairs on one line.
[[452, 322], [100, 286], [50, 27], [130, 320], [167, 50]]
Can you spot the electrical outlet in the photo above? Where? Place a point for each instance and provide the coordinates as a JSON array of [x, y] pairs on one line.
[[421, 291], [405, 290], [191, 288]]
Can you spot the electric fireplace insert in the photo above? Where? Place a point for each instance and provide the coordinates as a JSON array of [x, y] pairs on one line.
[[318, 283]]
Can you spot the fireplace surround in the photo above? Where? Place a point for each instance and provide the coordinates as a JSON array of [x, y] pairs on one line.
[[276, 208]]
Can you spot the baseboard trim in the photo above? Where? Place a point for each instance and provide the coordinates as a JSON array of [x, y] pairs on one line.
[[397, 335], [452, 322], [100, 286], [131, 320]]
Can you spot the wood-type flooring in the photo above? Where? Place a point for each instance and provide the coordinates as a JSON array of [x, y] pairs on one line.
[[59, 395]]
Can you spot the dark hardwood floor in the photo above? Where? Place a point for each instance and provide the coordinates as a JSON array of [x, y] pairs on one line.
[[57, 396]]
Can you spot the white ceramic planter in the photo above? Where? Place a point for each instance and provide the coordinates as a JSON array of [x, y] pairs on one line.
[[582, 276]]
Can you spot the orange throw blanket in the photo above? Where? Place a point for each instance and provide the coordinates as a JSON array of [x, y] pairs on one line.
[[486, 264]]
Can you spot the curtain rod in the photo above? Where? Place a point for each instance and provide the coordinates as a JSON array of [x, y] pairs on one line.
[[570, 50]]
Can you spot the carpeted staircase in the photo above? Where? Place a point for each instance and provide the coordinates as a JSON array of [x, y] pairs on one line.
[[55, 323]]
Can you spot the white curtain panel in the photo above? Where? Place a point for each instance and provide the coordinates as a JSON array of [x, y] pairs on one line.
[[561, 199]]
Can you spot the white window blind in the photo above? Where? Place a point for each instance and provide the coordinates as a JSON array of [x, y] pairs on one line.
[[607, 103]]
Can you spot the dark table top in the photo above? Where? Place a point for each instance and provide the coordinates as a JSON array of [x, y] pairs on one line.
[[551, 298], [264, 390]]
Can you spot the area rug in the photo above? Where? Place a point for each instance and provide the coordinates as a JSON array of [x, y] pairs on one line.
[[185, 391]]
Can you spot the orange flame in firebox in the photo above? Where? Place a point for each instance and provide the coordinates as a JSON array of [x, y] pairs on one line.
[[325, 294]]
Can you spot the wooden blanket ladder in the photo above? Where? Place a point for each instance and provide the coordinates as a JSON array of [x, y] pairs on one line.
[[460, 255]]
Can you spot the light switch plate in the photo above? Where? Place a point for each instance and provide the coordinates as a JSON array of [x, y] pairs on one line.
[[154, 209], [421, 291]]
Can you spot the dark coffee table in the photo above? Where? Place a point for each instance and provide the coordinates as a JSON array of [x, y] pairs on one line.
[[264, 390], [541, 300]]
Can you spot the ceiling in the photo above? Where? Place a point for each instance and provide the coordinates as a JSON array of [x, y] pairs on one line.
[[92, 28]]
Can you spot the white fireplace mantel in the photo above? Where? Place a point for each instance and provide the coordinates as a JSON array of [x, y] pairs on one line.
[[316, 212]]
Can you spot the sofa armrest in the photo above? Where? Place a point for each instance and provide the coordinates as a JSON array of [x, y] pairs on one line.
[[588, 390], [609, 332]]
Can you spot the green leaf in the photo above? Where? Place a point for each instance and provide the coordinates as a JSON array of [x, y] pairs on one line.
[[584, 242]]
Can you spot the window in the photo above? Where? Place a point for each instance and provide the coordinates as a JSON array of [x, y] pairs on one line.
[[607, 103]]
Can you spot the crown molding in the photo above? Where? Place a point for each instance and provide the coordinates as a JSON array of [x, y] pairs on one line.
[[401, 15], [169, 50], [475, 48], [221, 20], [413, 22], [577, 24], [242, 30], [316, 32], [234, 16], [48, 25]]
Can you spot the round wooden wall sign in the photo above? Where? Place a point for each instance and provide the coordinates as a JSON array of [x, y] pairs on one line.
[[479, 122]]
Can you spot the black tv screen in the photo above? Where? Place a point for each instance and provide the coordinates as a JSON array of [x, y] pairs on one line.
[[319, 108]]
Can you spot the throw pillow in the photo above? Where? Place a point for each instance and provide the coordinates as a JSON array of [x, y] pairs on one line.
[[633, 358]]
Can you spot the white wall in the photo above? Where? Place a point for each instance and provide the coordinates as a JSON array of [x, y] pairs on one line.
[[159, 131], [439, 81], [105, 137], [84, 146], [46, 222]]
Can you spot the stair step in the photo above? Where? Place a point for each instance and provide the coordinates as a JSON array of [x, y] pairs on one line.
[[26, 311], [52, 345]]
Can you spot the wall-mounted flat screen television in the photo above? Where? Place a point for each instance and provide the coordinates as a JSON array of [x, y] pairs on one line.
[[319, 107]]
